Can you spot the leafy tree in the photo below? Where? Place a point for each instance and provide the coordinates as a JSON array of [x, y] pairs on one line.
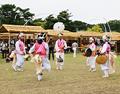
[[7, 13], [95, 28], [79, 25], [39, 22], [49, 22], [10, 14], [115, 25], [64, 17]]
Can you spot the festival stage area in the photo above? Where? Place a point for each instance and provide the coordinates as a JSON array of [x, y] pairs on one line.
[[74, 79]]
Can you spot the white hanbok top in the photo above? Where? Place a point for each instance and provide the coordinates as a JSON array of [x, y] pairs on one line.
[[106, 48], [60, 45], [92, 47], [20, 47]]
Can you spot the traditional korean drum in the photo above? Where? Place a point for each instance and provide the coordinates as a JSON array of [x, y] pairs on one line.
[[12, 55], [59, 59], [88, 52], [37, 59], [101, 59], [26, 56], [38, 63]]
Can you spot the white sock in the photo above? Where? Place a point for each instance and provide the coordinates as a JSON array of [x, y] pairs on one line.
[[106, 72], [61, 67], [39, 77]]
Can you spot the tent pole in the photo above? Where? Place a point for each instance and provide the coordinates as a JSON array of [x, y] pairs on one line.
[[9, 42]]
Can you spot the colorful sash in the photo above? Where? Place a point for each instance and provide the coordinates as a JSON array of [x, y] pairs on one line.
[[61, 45]]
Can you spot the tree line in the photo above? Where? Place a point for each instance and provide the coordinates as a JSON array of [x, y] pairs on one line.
[[11, 14]]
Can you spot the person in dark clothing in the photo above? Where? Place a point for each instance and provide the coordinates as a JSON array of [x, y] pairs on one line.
[[51, 48], [4, 50]]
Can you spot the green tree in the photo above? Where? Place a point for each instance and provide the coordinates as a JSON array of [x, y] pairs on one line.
[[49, 22], [79, 25], [115, 25], [24, 15], [7, 13], [39, 22], [64, 16], [95, 28], [10, 14]]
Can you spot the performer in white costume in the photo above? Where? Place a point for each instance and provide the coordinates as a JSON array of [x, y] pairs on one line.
[[60, 45], [40, 52], [20, 52], [105, 50], [91, 59], [74, 48]]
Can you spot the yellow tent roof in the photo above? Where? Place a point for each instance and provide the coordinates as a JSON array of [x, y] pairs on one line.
[[13, 35], [65, 33], [113, 35], [115, 38], [20, 28], [89, 34], [37, 29]]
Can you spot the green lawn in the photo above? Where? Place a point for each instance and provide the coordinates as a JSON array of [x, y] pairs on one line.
[[74, 79]]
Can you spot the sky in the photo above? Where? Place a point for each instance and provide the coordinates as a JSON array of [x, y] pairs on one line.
[[89, 11]]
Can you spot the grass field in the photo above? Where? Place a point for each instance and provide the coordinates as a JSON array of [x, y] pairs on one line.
[[74, 79]]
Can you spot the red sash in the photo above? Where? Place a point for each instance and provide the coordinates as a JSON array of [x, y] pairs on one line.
[[36, 47], [22, 46], [61, 45], [40, 49]]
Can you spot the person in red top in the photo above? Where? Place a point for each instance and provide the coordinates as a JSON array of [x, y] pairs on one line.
[[40, 56], [60, 45]]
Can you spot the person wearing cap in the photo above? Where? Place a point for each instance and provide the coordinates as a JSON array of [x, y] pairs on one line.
[[40, 56], [91, 59], [20, 52], [60, 45], [105, 50]]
